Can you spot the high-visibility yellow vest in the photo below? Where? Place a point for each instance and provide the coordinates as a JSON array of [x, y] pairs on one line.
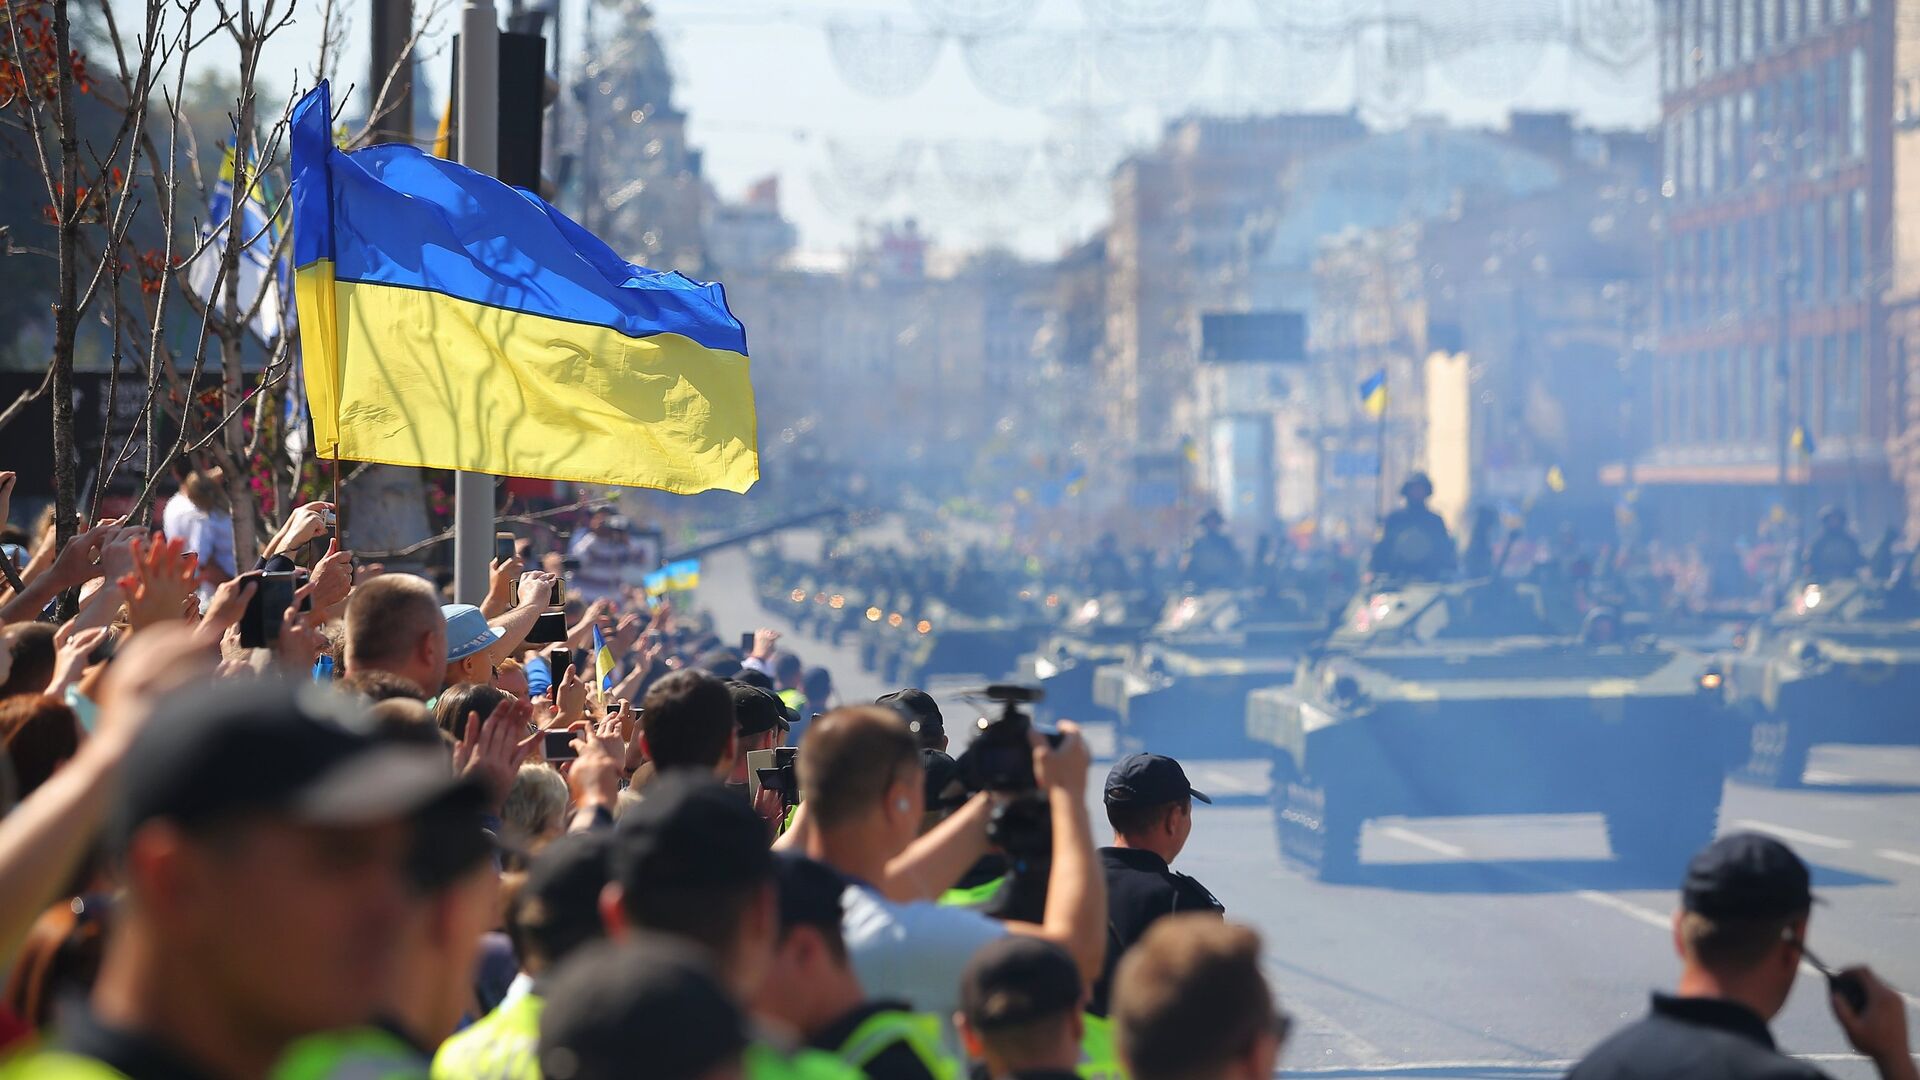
[[502, 1045], [1099, 1059], [354, 1054], [976, 896], [763, 1062], [919, 1031], [56, 1065]]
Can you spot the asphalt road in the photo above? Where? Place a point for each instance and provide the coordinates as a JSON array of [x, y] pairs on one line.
[[1505, 947]]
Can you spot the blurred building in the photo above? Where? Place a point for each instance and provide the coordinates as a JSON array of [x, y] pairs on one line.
[[751, 233], [1777, 128], [1902, 293]]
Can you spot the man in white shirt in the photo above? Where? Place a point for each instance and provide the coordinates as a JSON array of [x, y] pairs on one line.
[[605, 551], [198, 516], [861, 771]]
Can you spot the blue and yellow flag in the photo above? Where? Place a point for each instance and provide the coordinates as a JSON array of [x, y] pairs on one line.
[[684, 574], [450, 321], [603, 665], [1373, 393], [656, 583], [1802, 440]]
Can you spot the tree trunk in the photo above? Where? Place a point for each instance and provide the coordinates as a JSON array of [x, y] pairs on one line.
[[232, 326], [66, 315]]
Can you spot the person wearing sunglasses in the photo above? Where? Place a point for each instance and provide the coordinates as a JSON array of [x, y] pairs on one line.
[[1741, 934]]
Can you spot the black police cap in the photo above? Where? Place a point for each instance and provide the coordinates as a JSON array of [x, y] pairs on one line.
[[1747, 876], [558, 905], [919, 710], [1018, 980], [755, 711], [283, 748], [945, 788], [810, 894], [690, 832], [652, 1004], [1149, 780]]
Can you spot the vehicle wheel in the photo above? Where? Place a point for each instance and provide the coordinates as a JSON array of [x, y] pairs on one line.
[[1319, 835], [1661, 827], [1776, 755]]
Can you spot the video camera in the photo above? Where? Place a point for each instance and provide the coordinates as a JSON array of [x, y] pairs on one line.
[[775, 770], [1000, 758]]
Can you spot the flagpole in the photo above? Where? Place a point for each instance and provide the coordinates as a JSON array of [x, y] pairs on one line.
[[1380, 463], [478, 150]]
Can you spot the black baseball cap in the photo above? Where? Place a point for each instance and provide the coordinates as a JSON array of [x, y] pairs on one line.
[[1017, 980], [690, 832], [286, 748], [1747, 876], [1149, 780], [919, 710], [558, 905], [755, 711], [653, 1001], [810, 894]]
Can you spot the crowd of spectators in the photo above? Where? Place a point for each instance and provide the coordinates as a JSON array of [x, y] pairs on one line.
[[376, 833]]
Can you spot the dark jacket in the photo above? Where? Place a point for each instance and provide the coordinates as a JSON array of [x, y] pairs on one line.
[[1140, 889], [1694, 1038]]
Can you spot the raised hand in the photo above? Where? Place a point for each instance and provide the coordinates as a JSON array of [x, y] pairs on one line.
[[73, 649], [299, 642], [79, 561], [164, 575], [594, 778], [332, 581], [229, 603], [492, 750]]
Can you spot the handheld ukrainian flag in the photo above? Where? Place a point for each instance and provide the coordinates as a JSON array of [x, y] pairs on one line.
[[453, 322], [602, 661], [1373, 393], [1802, 440], [684, 574], [656, 583], [261, 279]]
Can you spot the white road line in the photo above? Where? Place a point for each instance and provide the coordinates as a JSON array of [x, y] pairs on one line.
[[1629, 909], [1218, 782], [1899, 856], [1818, 777], [1798, 836], [1438, 847]]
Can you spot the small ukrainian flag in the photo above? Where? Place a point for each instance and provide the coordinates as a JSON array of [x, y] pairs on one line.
[[603, 665], [684, 574], [656, 583], [1373, 393], [1802, 440]]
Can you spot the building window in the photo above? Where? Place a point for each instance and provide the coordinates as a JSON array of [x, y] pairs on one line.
[[1728, 180], [1857, 104], [1689, 63], [1857, 241], [1816, 12], [1669, 49], [1812, 132], [1862, 6], [1830, 133], [1729, 26], [1809, 248], [1791, 32], [1743, 151], [1769, 24], [1835, 244], [1707, 146], [1749, 12], [1689, 161], [1669, 151]]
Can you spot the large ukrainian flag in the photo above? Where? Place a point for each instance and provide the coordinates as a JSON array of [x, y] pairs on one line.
[[450, 321]]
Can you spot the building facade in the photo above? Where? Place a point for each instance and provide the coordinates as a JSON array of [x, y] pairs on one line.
[[1777, 188]]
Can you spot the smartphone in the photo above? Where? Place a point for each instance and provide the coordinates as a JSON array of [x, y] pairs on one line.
[[503, 546], [612, 707], [559, 660], [746, 643], [103, 652], [272, 595], [558, 746]]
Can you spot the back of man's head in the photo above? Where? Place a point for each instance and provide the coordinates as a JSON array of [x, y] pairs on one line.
[[1743, 911], [387, 618], [849, 760], [653, 1008], [692, 860], [1190, 1002], [687, 718], [556, 909], [1020, 1004]]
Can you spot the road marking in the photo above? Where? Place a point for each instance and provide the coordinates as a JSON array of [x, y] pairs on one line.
[[1221, 782], [1820, 777], [1438, 847], [1629, 909], [1899, 856], [1798, 836]]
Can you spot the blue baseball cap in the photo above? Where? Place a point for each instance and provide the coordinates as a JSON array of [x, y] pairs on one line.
[[467, 631]]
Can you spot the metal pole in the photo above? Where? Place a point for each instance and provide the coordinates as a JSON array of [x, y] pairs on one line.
[[479, 150]]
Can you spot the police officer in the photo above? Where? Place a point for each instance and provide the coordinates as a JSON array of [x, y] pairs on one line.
[[554, 912], [1212, 562], [650, 1007], [1414, 542], [1150, 806], [1834, 553], [813, 990], [1020, 1010], [1741, 933]]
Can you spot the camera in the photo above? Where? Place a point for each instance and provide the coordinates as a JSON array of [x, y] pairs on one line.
[[1000, 758], [774, 770]]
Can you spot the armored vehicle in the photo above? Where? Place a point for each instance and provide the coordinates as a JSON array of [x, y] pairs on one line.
[[1461, 698], [1184, 689], [1097, 632], [1840, 663]]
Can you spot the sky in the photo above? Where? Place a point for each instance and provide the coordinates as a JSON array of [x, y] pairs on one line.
[[766, 93]]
